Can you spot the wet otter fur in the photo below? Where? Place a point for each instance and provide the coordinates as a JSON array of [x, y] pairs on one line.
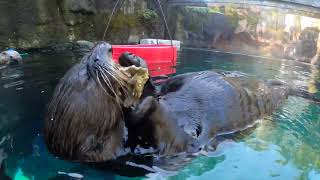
[[84, 121], [193, 108], [10, 57]]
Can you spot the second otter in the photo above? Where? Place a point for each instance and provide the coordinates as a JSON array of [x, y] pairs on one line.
[[193, 108]]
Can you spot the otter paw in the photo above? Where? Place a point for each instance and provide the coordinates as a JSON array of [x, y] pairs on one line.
[[137, 78], [194, 146]]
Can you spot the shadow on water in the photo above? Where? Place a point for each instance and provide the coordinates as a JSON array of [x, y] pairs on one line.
[[284, 145]]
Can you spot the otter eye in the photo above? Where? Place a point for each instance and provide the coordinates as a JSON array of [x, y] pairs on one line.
[[110, 50]]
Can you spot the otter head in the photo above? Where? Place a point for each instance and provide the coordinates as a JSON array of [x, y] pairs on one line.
[[129, 80], [10, 57], [106, 73], [84, 120]]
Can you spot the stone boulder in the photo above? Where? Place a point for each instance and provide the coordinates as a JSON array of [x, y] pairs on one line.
[[83, 6], [218, 26], [241, 42], [82, 46], [210, 31], [51, 25], [306, 47]]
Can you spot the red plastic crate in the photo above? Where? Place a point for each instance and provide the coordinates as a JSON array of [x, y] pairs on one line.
[[161, 59]]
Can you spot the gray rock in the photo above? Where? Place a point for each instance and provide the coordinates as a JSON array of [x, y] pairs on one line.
[[306, 47], [83, 46], [83, 6], [218, 26], [46, 24]]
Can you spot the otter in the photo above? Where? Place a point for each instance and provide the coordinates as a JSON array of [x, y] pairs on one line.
[[84, 120], [97, 99], [192, 109], [10, 57]]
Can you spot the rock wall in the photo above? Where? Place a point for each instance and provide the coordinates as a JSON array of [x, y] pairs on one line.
[[314, 3], [251, 30], [53, 24]]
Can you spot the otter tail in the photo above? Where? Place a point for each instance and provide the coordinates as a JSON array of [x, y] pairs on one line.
[[304, 94], [296, 92]]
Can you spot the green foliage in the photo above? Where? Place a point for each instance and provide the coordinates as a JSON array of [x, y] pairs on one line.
[[253, 21], [121, 26], [215, 9], [198, 10], [228, 10], [194, 17], [124, 21], [149, 19], [148, 14], [231, 12]]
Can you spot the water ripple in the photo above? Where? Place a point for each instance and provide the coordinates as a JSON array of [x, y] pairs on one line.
[[13, 84]]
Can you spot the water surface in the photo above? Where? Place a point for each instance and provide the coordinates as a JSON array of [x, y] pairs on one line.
[[285, 145]]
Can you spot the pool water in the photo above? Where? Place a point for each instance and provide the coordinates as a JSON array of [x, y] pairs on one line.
[[285, 145]]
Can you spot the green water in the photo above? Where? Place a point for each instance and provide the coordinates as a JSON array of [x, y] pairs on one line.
[[285, 145]]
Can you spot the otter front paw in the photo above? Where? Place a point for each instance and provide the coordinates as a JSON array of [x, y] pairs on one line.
[[194, 146], [145, 107], [137, 78]]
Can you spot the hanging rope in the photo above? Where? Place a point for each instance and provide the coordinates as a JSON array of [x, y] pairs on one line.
[[162, 14], [114, 10], [110, 18], [165, 21], [167, 27]]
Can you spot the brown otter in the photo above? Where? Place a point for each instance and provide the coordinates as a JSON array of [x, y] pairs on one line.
[[193, 108], [85, 117], [10, 57]]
